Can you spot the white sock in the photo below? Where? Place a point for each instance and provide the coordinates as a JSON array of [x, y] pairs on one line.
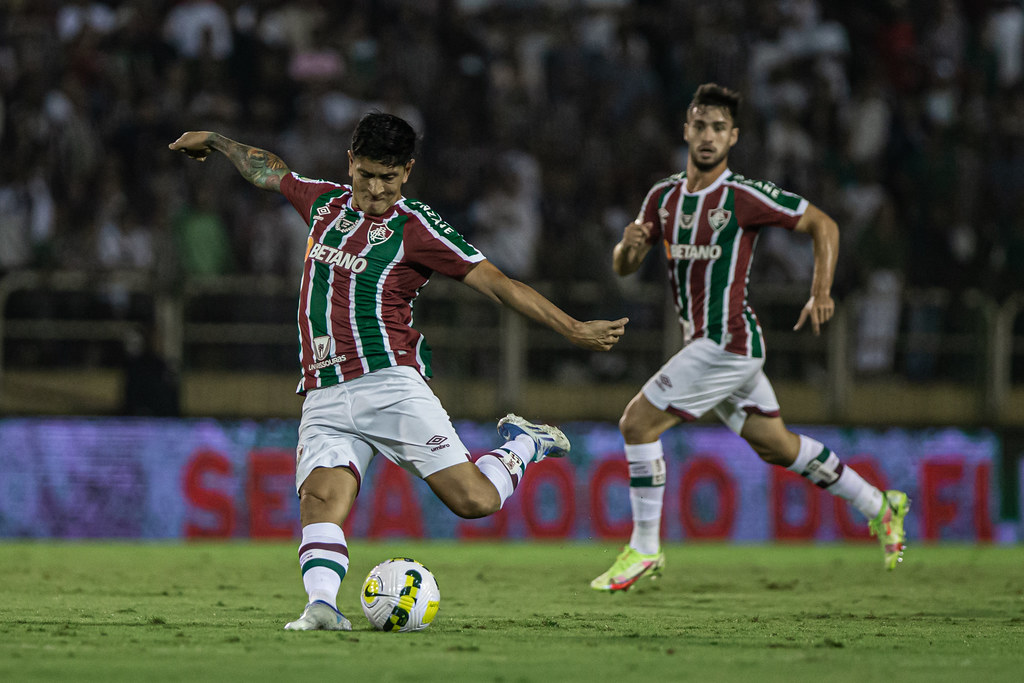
[[504, 467], [862, 495], [822, 467], [646, 494], [323, 557]]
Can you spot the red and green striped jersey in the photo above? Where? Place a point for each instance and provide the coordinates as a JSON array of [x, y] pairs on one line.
[[709, 239], [360, 278]]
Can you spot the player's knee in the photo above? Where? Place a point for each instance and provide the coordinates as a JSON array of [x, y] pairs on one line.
[[771, 457], [772, 451], [316, 505], [475, 504], [632, 431], [471, 500]]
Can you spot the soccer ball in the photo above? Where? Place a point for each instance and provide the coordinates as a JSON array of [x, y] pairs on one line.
[[400, 594]]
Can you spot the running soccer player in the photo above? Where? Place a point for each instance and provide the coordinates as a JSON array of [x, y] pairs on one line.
[[708, 219], [369, 253]]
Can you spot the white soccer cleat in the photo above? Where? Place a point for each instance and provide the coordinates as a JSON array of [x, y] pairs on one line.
[[319, 616], [549, 441]]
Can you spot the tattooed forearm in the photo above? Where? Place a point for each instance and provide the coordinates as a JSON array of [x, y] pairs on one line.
[[261, 168]]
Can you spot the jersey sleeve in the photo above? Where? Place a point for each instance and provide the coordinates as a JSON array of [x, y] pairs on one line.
[[433, 243], [767, 205], [649, 212], [302, 192]]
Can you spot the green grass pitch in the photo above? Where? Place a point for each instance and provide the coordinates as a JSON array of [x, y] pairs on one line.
[[516, 612]]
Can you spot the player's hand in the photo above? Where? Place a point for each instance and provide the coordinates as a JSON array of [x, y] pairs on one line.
[[636, 234], [194, 143], [599, 335], [818, 310]]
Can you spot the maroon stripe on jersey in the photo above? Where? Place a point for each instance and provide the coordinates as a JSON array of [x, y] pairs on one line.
[[305, 341], [341, 310], [675, 196], [656, 199], [671, 205], [329, 547], [699, 268], [317, 235], [740, 335]]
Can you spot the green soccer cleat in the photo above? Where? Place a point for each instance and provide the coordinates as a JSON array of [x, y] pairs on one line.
[[888, 527], [629, 566], [319, 616], [548, 441]]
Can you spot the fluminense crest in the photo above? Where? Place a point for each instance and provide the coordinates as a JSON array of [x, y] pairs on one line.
[[379, 232], [719, 218]]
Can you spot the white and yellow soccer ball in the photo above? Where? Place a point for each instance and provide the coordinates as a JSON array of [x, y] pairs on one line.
[[400, 594]]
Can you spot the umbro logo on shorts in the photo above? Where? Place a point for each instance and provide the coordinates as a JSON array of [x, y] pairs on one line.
[[438, 442], [664, 382]]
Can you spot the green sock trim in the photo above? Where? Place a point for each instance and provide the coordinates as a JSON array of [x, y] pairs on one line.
[[647, 482], [321, 562]]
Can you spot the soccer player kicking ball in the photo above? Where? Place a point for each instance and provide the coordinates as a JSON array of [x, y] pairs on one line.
[[370, 251], [708, 218]]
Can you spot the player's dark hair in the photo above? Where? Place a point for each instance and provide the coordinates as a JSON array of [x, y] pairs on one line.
[[384, 138], [714, 95]]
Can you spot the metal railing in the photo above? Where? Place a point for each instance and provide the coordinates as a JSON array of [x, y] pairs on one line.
[[247, 324]]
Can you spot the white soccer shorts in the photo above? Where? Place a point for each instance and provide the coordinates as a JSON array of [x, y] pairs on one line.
[[391, 411], [702, 376]]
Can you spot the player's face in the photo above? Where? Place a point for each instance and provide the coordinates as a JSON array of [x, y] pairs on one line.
[[376, 187], [710, 132]]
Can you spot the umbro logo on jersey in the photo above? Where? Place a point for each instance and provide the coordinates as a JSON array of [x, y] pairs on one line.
[[719, 218], [321, 212], [379, 233], [662, 214]]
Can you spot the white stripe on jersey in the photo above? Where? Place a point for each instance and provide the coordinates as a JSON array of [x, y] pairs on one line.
[[308, 277], [379, 301], [357, 339], [425, 222], [764, 199], [697, 212], [419, 355], [755, 323], [330, 321], [420, 365], [724, 310]]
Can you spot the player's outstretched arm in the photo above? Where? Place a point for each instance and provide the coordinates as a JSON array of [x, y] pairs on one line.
[[629, 253], [825, 234], [596, 335], [261, 168]]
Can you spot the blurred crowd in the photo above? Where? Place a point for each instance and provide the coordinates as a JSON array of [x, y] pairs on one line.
[[543, 124]]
